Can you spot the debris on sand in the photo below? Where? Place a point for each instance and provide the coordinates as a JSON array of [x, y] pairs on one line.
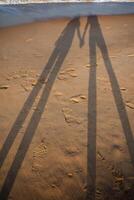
[[70, 175], [88, 65], [83, 97], [131, 55], [72, 74], [75, 100], [62, 72], [34, 83], [130, 105], [69, 118], [53, 185], [78, 98], [70, 70], [4, 87], [123, 88]]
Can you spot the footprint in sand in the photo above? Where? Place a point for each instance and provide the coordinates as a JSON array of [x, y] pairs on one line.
[[69, 117], [40, 150], [39, 153]]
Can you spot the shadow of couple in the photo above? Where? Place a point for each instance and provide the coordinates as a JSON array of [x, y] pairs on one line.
[[48, 76]]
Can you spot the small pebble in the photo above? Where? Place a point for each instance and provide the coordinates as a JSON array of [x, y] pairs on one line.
[[53, 186], [75, 100], [70, 70], [4, 87], [34, 83], [62, 73], [131, 55], [83, 97], [73, 74], [88, 65], [123, 89], [70, 175]]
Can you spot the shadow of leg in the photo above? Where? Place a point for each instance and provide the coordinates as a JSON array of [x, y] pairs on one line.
[[91, 151], [97, 39], [26, 108], [116, 90], [62, 47]]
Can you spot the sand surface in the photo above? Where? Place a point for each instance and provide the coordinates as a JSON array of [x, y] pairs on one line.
[[67, 110]]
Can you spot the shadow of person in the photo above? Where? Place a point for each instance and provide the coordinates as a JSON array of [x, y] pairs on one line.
[[49, 73], [92, 115], [96, 39]]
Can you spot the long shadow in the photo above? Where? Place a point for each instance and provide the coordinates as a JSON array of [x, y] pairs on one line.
[[96, 38], [116, 91], [92, 114], [50, 72]]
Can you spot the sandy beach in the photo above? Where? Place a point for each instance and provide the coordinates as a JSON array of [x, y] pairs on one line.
[[67, 109]]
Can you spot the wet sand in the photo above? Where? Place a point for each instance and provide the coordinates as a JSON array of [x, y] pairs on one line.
[[67, 110]]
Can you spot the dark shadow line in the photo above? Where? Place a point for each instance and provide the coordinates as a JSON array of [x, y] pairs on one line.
[[116, 91], [62, 47], [96, 38], [92, 115], [28, 104], [26, 109]]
